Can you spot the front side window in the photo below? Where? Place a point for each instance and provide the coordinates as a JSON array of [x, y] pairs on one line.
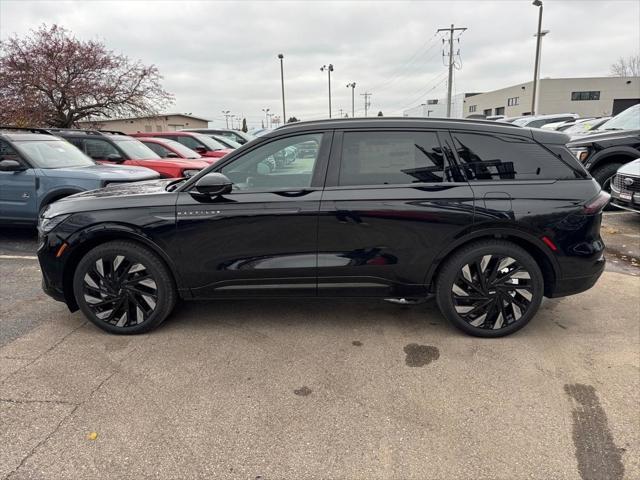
[[391, 158], [159, 149], [493, 157], [7, 152], [100, 149], [136, 150], [277, 165], [53, 154]]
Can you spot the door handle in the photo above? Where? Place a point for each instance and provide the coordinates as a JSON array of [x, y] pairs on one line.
[[294, 193]]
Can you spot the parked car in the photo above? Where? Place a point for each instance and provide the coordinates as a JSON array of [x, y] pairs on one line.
[[583, 128], [625, 187], [204, 145], [236, 135], [37, 168], [563, 125], [537, 121], [614, 143], [110, 147], [486, 217], [176, 153]]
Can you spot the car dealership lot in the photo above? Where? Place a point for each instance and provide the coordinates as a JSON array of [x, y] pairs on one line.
[[322, 388]]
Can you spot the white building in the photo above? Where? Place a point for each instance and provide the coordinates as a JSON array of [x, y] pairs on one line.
[[594, 96], [438, 107]]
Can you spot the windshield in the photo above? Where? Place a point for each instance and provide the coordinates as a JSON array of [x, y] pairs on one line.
[[627, 120], [137, 150], [53, 154], [226, 141], [211, 143], [186, 152]]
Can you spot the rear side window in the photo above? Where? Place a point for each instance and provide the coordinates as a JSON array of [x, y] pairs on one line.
[[99, 149], [493, 157], [390, 158]]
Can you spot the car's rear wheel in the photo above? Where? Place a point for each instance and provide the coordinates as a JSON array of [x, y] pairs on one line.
[[490, 288], [123, 287]]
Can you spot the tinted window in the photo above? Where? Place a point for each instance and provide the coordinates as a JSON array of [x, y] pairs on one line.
[[8, 153], [99, 149], [189, 142], [159, 149], [388, 158], [277, 165], [489, 157]]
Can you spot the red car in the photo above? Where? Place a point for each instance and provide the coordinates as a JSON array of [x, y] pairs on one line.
[[115, 147], [166, 148], [202, 144]]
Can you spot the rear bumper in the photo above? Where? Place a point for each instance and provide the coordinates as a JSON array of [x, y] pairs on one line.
[[572, 285]]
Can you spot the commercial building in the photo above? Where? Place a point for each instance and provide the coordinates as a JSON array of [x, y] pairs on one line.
[[437, 107], [594, 96], [156, 123]]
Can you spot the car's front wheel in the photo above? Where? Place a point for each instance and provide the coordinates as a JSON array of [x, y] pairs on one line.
[[123, 287], [490, 288]]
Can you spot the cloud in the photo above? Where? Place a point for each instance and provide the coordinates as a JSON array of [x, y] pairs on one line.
[[223, 55]]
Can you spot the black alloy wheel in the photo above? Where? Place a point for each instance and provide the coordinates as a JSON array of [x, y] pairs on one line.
[[490, 289], [123, 287]]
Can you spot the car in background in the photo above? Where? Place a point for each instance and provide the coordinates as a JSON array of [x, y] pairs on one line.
[[236, 135], [177, 154], [118, 148], [537, 121], [38, 168], [583, 128], [615, 143], [625, 187], [204, 145], [508, 218], [562, 126]]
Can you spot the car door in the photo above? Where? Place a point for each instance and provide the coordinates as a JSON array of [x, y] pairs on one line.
[[393, 200], [18, 199], [261, 239]]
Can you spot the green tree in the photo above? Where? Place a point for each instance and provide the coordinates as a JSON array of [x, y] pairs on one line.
[[292, 119], [244, 125], [380, 113]]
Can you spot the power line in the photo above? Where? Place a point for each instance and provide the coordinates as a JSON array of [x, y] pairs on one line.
[[367, 103]]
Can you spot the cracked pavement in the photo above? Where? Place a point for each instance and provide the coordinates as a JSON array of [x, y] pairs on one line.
[[321, 389]]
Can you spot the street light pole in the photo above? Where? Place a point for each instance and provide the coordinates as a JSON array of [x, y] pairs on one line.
[[329, 69], [226, 116], [266, 117], [352, 85], [536, 68], [284, 111]]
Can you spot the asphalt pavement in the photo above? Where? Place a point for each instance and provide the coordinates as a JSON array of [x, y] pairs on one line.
[[322, 389]]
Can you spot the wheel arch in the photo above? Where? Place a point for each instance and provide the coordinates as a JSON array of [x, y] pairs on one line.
[[534, 246], [98, 235], [57, 194], [617, 155]]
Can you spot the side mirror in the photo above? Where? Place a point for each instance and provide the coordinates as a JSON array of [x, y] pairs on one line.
[[172, 155], [11, 166], [114, 157], [201, 150], [214, 184]]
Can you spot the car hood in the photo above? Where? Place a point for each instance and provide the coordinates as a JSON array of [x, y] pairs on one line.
[[120, 173], [116, 196], [595, 136], [631, 168]]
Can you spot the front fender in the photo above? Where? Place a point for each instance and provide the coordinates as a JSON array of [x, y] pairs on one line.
[[601, 157]]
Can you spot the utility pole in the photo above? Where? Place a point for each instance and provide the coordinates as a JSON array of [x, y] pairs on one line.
[[284, 111], [266, 116], [341, 116], [329, 69], [367, 103], [352, 85], [226, 116], [451, 30]]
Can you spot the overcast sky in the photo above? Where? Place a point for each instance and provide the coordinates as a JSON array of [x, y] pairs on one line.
[[218, 55]]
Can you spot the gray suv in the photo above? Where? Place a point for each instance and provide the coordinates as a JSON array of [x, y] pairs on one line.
[[38, 168]]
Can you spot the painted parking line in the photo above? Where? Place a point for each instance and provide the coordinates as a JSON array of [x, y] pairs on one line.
[[18, 257]]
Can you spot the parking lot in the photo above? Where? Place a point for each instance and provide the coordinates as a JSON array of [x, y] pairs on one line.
[[322, 389]]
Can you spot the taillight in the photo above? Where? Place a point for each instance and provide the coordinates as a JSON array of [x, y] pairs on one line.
[[597, 203]]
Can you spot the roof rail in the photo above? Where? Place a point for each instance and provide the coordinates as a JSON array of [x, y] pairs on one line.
[[113, 132], [75, 130], [26, 129]]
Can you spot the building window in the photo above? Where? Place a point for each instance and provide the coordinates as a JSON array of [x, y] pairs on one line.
[[513, 101], [500, 111], [579, 96], [432, 102], [487, 112], [472, 108]]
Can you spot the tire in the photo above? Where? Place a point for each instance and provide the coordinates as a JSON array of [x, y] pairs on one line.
[[490, 305], [124, 288], [604, 174]]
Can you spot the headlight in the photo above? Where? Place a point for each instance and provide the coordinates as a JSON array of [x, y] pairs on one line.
[[581, 153], [45, 225], [190, 173]]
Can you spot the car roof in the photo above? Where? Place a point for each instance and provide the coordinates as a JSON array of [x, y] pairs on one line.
[[81, 132], [14, 136]]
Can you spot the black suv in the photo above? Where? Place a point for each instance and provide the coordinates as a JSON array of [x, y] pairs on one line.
[[613, 144], [487, 217]]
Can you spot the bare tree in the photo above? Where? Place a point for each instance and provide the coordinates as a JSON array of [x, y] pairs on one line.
[[626, 67], [51, 78]]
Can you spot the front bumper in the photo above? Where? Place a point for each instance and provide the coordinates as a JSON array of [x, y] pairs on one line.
[[625, 196]]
